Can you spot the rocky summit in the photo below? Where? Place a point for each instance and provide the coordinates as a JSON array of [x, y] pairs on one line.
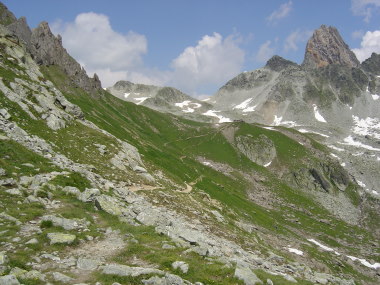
[[97, 189]]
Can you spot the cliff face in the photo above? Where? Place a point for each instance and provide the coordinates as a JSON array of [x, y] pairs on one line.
[[325, 47], [47, 49]]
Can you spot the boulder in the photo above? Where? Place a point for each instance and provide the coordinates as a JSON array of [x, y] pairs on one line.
[[247, 276], [9, 280], [89, 195], [124, 270], [4, 113], [67, 224], [183, 266], [87, 264], [108, 204], [59, 277], [3, 258], [61, 238]]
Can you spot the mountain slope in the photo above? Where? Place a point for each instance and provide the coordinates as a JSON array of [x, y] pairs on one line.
[[163, 99], [110, 191]]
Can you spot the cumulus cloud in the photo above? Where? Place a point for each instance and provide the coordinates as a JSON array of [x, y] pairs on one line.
[[265, 52], [91, 40], [365, 8], [282, 12], [115, 56], [295, 38], [370, 43], [211, 62]]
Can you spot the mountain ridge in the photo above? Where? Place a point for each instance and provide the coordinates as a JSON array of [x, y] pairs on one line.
[[96, 189]]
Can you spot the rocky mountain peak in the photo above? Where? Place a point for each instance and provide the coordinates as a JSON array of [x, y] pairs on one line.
[[277, 63], [325, 47], [6, 16], [372, 64]]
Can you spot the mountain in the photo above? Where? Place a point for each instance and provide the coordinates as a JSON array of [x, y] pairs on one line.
[[94, 189], [164, 99], [330, 95]]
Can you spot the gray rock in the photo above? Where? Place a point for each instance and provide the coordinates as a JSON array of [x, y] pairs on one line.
[[168, 246], [168, 279], [8, 182], [2, 172], [89, 195], [5, 216], [87, 264], [14, 192], [183, 266], [218, 216], [59, 277], [71, 190], [67, 224], [108, 204], [269, 282], [4, 113], [3, 258], [61, 238], [32, 241], [9, 280], [247, 276], [124, 270]]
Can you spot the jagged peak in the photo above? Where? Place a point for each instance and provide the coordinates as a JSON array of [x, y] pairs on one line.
[[278, 63], [325, 47], [6, 16]]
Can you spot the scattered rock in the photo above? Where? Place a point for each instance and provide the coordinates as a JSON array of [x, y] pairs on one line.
[[67, 224], [9, 280], [59, 277], [124, 270], [4, 113], [32, 241], [108, 204], [71, 190], [247, 276], [3, 258], [2, 172], [89, 195], [183, 266], [87, 264], [56, 238]]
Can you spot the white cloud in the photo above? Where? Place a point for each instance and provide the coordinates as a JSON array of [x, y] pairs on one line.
[[370, 43], [295, 38], [365, 8], [282, 12], [265, 52], [91, 40], [114, 56], [211, 62]]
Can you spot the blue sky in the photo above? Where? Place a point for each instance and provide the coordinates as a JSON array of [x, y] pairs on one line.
[[196, 46]]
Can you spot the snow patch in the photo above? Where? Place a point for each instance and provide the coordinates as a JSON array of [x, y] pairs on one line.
[[267, 164], [277, 120], [366, 127], [323, 246], [212, 113], [126, 95], [361, 184], [375, 192], [307, 131], [183, 104], [249, 109], [375, 97], [206, 163], [243, 104], [334, 155], [205, 100], [140, 100], [296, 251], [335, 148], [317, 115], [365, 262], [350, 141]]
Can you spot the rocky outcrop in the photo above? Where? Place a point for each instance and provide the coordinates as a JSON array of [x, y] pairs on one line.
[[260, 150], [6, 16], [21, 29], [48, 50], [372, 64], [277, 63], [325, 47]]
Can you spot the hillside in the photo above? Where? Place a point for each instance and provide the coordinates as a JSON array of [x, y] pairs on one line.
[[97, 189]]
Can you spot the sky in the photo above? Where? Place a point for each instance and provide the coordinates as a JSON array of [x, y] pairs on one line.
[[198, 45]]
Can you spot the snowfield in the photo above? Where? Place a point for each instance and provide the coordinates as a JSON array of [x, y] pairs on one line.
[[317, 115], [212, 113]]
